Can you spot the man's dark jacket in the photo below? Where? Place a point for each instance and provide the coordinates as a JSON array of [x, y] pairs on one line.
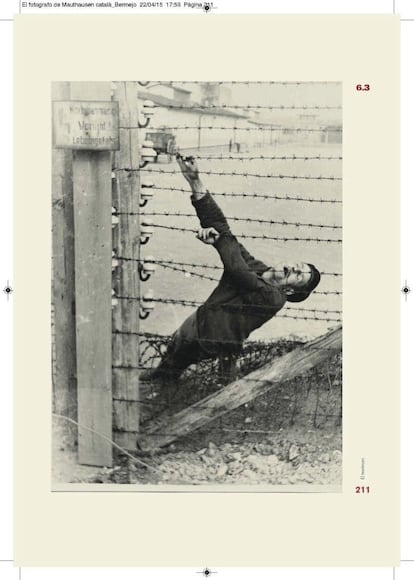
[[242, 301]]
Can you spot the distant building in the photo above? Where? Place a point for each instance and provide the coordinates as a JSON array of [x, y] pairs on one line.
[[332, 134], [198, 124], [173, 92]]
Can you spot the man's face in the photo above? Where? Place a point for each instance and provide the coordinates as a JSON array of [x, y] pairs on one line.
[[294, 275]]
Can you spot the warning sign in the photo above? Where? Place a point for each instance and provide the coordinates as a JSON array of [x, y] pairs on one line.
[[89, 125]]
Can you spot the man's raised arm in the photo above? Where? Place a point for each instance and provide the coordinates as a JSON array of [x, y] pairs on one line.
[[208, 212], [216, 230]]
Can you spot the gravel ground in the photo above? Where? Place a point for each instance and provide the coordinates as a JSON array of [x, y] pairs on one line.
[[277, 461], [289, 458]]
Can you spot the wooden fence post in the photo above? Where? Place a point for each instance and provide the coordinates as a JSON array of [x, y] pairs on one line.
[[93, 249], [63, 284], [125, 349]]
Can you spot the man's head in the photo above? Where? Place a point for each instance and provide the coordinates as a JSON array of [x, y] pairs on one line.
[[297, 280]]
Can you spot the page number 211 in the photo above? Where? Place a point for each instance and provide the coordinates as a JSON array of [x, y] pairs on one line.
[[363, 88], [362, 489]]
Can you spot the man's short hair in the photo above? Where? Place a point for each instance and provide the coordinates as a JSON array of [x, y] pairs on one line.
[[303, 293]]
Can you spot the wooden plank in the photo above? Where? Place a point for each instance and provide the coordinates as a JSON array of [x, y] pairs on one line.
[[126, 281], [241, 391], [63, 284], [93, 254]]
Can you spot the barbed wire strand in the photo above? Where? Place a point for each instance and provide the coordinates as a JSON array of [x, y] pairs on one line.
[[256, 236], [233, 218], [146, 368], [205, 277], [150, 336], [249, 346], [266, 107], [242, 157], [246, 174], [152, 339], [176, 407], [284, 197], [194, 304], [205, 266], [267, 127], [233, 82], [219, 306], [195, 274]]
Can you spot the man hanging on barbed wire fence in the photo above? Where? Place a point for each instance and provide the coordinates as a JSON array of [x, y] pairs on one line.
[[248, 294]]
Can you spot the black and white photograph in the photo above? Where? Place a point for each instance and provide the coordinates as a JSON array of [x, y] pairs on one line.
[[197, 285]]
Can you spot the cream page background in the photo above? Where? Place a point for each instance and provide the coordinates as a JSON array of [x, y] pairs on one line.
[[174, 529]]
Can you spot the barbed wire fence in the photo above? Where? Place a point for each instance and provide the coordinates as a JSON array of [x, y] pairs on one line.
[[310, 400], [278, 180]]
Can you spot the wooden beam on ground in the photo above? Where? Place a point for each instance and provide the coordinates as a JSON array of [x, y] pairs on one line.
[[245, 389]]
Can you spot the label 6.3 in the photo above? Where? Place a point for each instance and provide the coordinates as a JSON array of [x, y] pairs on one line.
[[363, 88]]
